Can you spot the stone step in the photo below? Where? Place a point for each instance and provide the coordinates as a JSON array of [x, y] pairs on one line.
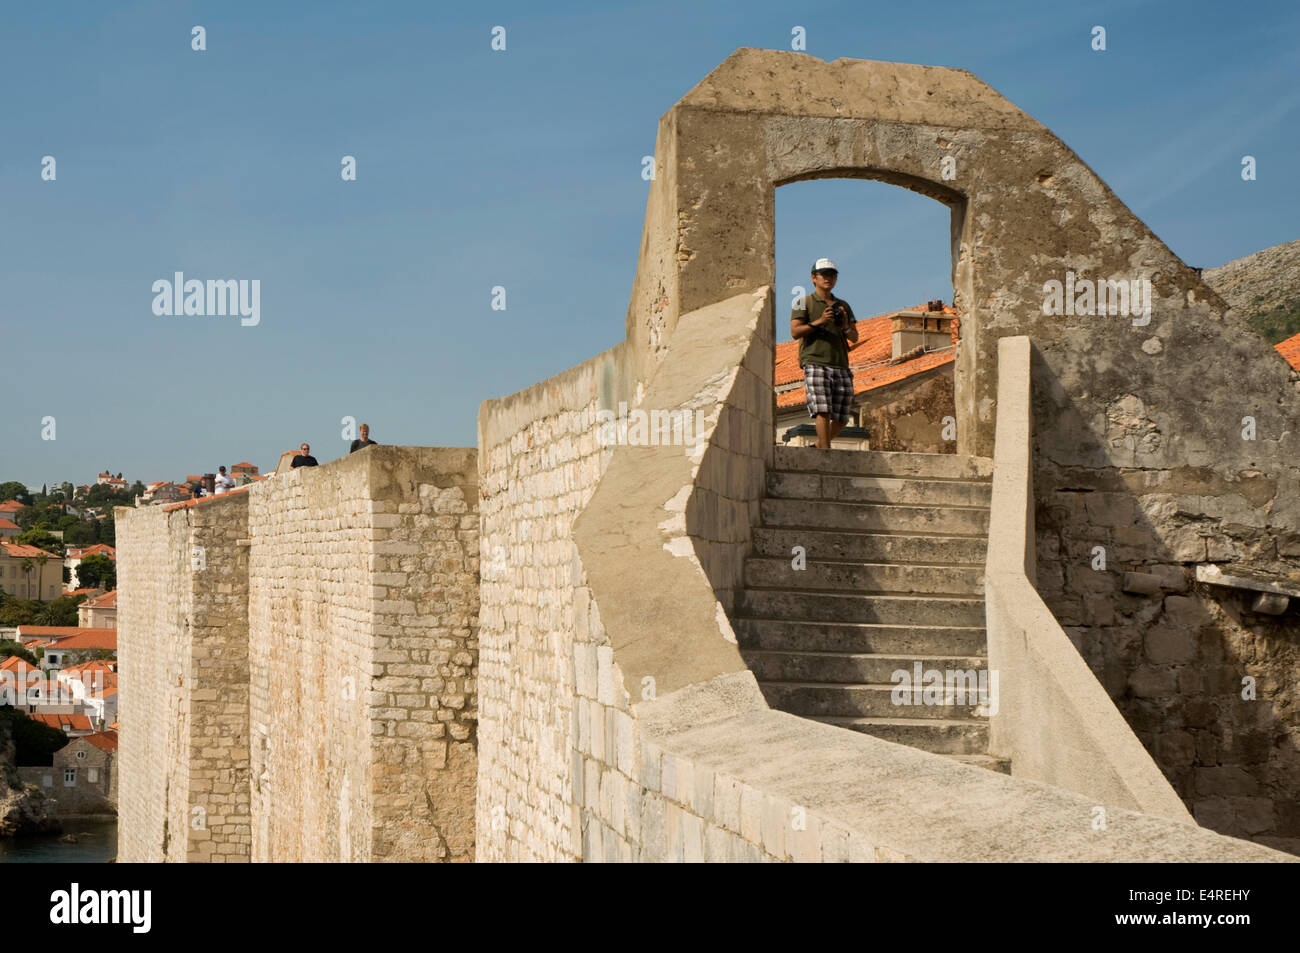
[[848, 667], [929, 466], [834, 607], [946, 736], [1000, 765], [795, 485], [857, 701], [871, 547], [908, 640], [777, 573], [879, 517]]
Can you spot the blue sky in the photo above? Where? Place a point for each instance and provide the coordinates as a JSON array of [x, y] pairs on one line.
[[519, 168]]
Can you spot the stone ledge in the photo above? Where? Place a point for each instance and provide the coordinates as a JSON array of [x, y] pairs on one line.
[[914, 805]]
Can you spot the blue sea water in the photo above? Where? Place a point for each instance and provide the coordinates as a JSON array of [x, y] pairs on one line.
[[96, 843]]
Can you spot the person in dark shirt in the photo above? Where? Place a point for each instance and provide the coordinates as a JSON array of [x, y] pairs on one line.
[[303, 459], [825, 328], [364, 440]]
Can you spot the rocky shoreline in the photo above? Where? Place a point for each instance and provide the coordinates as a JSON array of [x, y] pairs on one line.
[[23, 807]]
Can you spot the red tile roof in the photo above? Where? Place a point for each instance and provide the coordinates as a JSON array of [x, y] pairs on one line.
[[245, 465], [94, 665], [105, 740], [13, 663], [99, 549], [7, 524], [64, 722], [11, 506], [71, 637], [1290, 350], [95, 684], [22, 549], [81, 592], [869, 359], [106, 601]]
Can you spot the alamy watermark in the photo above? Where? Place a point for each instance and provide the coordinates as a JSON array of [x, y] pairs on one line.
[[933, 686], [681, 427], [222, 297], [1104, 296]]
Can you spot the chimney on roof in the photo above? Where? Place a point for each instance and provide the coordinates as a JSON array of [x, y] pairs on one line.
[[927, 330]]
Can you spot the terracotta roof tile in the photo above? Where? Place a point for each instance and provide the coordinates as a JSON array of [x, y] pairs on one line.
[[22, 549], [106, 601], [1290, 350], [105, 740], [869, 359], [99, 549], [71, 636], [64, 722]]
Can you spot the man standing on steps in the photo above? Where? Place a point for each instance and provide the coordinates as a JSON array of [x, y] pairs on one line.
[[824, 326]]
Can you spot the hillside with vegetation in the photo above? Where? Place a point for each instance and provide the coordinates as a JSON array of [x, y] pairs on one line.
[[1264, 288]]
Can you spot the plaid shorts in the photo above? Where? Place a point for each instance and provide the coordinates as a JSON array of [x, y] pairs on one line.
[[829, 390]]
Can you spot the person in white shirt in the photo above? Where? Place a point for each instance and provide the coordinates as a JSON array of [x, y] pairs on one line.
[[224, 481]]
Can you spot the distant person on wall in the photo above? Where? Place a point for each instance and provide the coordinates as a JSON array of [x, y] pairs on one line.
[[364, 440], [224, 481], [198, 491], [303, 459], [825, 326]]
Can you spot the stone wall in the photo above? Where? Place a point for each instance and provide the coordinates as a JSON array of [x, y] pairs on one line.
[[83, 796], [182, 680], [627, 728], [909, 416], [1163, 439], [540, 460], [298, 666], [363, 643]]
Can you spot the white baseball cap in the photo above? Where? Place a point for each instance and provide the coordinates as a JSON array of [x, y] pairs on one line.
[[823, 264]]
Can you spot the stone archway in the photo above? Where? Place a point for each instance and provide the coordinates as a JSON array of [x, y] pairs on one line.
[[1026, 208]]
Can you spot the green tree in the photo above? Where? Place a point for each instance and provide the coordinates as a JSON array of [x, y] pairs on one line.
[[60, 611], [13, 490], [14, 648], [34, 742], [19, 611], [97, 571], [41, 539]]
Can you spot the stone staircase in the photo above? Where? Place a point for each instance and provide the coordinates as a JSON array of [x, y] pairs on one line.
[[894, 577]]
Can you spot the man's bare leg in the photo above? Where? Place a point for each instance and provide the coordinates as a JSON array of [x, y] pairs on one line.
[[824, 425], [836, 427]]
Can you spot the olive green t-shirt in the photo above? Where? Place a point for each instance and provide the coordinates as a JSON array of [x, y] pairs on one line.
[[826, 345]]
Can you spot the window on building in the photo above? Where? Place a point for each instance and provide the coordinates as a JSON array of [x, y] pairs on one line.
[[70, 778], [52, 592], [92, 775], [81, 756]]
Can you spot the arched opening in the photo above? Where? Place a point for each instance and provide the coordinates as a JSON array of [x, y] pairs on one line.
[[897, 256]]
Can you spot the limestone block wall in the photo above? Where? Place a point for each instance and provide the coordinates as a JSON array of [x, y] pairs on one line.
[[83, 796], [1165, 436], [362, 651], [182, 654], [540, 460], [651, 741], [909, 417]]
